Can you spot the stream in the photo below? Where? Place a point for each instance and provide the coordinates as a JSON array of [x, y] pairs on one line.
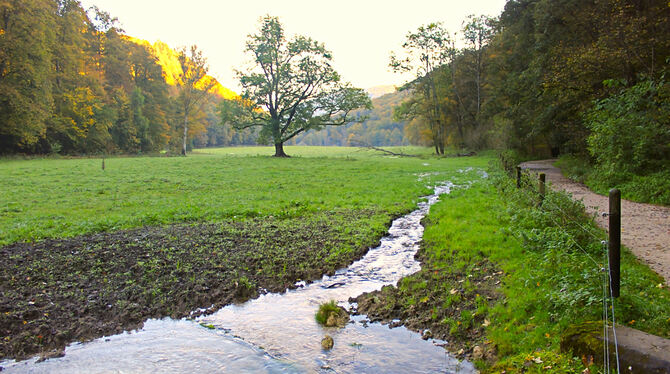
[[277, 333]]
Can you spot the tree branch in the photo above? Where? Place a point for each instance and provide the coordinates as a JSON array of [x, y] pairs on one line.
[[369, 146]]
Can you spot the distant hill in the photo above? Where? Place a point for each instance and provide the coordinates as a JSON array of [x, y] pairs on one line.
[[380, 129], [378, 91], [168, 59]]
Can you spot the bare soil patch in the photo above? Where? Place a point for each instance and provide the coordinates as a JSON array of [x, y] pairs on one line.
[[58, 291]]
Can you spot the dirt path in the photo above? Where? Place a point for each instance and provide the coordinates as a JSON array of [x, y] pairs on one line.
[[645, 228]]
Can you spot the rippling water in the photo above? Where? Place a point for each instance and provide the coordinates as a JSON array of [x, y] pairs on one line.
[[277, 333]]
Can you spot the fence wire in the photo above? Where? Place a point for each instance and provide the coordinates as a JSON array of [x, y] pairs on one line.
[[607, 298]]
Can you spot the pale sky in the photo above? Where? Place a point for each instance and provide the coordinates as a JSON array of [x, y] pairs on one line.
[[361, 34]]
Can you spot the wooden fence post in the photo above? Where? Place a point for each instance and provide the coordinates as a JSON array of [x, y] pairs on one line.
[[543, 178], [518, 177], [614, 244]]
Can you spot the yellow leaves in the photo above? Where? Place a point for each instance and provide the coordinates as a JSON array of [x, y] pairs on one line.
[[78, 109], [168, 59], [2, 32]]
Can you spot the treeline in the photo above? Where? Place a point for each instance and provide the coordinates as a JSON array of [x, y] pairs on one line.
[[379, 129], [549, 77], [72, 83]]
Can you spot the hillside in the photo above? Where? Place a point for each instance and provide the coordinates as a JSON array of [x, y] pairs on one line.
[[379, 129], [378, 91], [168, 59]]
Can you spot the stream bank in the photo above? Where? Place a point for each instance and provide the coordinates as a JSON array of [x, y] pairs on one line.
[[503, 279], [277, 333], [55, 292]]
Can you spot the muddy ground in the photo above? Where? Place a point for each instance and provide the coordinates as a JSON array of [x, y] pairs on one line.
[[59, 291]]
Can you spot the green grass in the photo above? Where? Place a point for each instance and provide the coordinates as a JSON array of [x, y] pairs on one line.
[[548, 280], [55, 198], [325, 310], [313, 151]]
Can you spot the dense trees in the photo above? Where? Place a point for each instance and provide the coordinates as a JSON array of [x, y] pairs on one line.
[[291, 88], [550, 77], [379, 127], [71, 82], [25, 64], [550, 59]]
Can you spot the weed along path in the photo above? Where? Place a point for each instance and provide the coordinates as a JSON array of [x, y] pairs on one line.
[[645, 228], [277, 333]]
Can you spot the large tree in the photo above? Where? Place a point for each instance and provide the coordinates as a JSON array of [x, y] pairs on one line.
[[478, 31], [290, 88]]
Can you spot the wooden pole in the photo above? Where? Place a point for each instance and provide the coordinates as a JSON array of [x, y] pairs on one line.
[[518, 177], [614, 245], [543, 178]]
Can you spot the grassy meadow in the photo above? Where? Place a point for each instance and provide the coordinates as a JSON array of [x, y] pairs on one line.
[[55, 198], [164, 236]]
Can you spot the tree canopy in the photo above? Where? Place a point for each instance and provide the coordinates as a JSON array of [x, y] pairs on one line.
[[291, 88], [71, 82]]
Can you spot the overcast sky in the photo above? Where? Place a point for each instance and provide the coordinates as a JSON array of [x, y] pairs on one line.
[[360, 33]]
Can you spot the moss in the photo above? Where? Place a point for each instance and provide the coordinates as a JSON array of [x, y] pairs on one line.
[[583, 339]]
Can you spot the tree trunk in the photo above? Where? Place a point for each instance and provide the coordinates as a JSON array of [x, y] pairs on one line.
[[183, 148], [279, 150]]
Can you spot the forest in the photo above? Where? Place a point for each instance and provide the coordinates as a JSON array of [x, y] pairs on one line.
[[584, 80], [71, 82]]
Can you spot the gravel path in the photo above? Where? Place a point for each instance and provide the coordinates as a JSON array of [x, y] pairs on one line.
[[645, 228]]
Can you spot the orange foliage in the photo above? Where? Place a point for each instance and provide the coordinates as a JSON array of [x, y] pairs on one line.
[[168, 59]]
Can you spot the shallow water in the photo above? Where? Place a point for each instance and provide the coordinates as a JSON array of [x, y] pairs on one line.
[[277, 333]]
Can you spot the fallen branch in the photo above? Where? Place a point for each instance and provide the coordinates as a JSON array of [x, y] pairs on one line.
[[369, 146]]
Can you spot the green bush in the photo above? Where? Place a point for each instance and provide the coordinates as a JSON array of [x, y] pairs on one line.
[[630, 131]]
